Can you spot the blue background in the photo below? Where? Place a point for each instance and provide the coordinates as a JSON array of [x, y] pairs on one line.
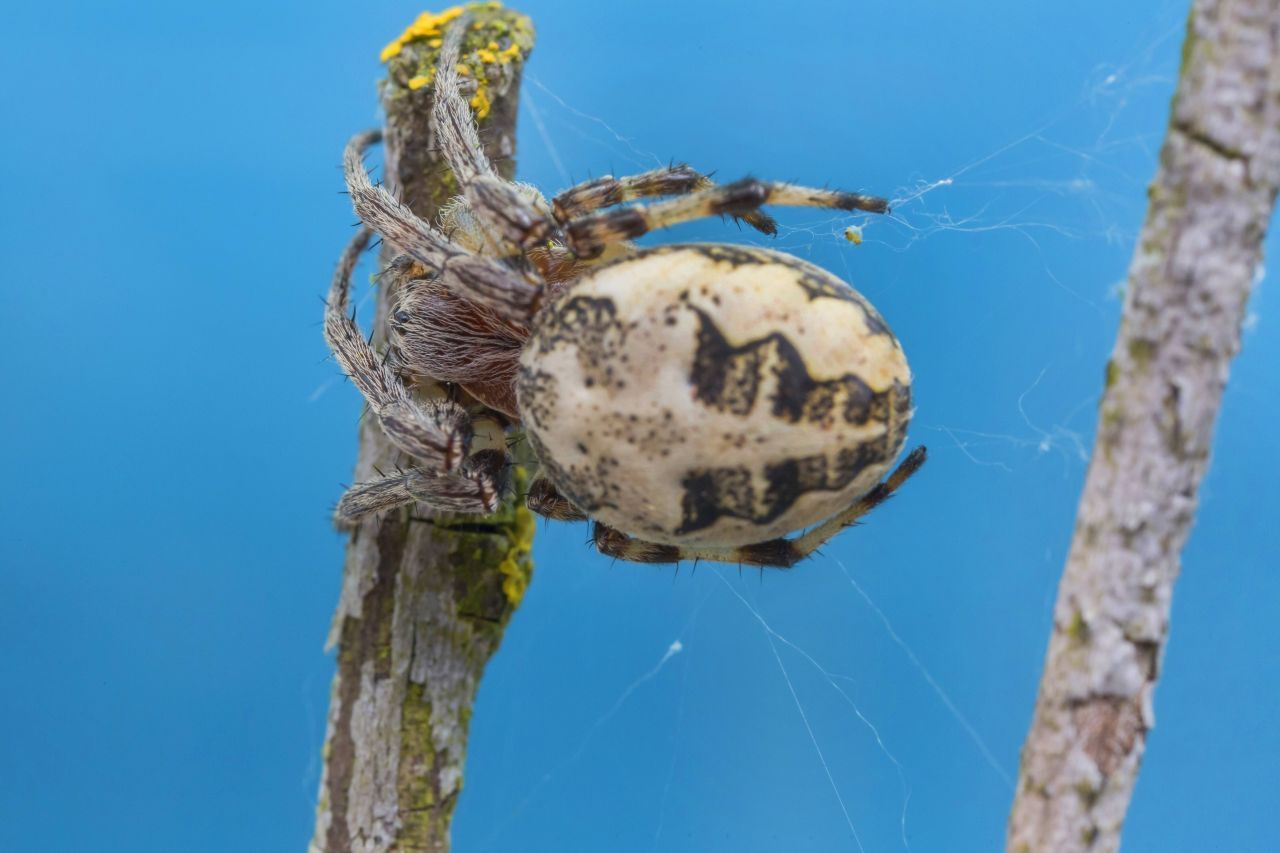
[[174, 437]]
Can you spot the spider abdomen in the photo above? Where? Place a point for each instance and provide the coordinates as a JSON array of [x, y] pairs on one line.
[[713, 395]]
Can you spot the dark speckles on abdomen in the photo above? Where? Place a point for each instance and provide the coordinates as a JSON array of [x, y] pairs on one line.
[[650, 435], [538, 392], [591, 326]]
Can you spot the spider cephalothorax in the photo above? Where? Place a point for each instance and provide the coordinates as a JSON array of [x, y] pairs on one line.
[[696, 401]]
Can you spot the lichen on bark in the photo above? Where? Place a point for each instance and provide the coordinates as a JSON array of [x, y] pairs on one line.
[[425, 596]]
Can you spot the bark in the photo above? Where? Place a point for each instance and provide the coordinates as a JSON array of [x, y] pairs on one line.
[[425, 597], [1189, 282]]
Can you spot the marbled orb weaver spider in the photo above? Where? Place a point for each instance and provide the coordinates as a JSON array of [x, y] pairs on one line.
[[695, 401]]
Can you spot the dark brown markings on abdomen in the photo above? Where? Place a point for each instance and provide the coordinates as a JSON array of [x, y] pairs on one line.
[[728, 378], [714, 493]]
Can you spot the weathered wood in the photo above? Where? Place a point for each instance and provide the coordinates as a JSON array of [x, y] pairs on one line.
[[1189, 282], [425, 597]]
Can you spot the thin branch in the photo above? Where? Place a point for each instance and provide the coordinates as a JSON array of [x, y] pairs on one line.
[[1188, 287], [423, 606]]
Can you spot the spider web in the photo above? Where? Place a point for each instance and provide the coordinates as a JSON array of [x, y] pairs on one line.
[[1071, 183], [1066, 185]]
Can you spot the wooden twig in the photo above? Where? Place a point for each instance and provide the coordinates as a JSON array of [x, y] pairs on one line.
[[1197, 257], [425, 600]]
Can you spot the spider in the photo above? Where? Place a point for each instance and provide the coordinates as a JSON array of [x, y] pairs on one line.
[[697, 401]]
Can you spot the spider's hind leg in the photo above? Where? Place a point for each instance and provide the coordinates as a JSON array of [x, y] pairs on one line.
[[773, 554], [615, 543], [809, 542], [545, 500]]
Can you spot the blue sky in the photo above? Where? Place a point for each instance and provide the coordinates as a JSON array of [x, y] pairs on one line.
[[175, 436]]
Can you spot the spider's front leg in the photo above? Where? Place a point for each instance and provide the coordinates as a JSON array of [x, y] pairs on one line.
[[589, 234], [476, 487], [487, 282], [773, 553], [435, 433], [607, 191], [507, 216]]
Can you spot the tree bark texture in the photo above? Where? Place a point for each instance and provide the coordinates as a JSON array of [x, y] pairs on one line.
[[1196, 259], [425, 596]]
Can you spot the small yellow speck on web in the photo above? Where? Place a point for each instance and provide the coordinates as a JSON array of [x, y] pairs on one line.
[[854, 235]]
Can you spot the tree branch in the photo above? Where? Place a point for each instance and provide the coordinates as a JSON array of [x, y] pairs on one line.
[[425, 597], [1189, 283]]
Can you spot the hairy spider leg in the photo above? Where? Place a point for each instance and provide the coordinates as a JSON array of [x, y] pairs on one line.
[[774, 553], [589, 234], [545, 500], [498, 287], [435, 433], [677, 179], [501, 210], [475, 488], [451, 118]]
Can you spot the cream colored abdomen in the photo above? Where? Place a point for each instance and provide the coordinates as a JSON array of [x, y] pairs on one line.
[[712, 395]]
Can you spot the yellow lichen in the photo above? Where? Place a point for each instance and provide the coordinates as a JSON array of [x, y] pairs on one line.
[[517, 566], [483, 55], [426, 25], [514, 581], [422, 79]]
